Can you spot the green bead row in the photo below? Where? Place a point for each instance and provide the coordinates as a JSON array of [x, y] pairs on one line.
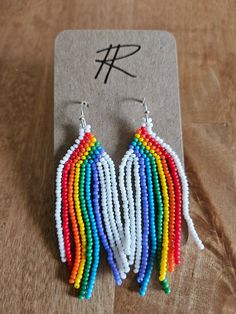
[[159, 216], [159, 206], [89, 247]]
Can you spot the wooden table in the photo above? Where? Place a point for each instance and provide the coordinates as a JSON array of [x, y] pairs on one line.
[[32, 278]]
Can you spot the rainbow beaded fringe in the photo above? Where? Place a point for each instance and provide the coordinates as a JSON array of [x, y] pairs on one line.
[[154, 193], [88, 214], [153, 203]]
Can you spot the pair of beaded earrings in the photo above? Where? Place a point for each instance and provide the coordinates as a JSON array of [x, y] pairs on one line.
[[154, 193]]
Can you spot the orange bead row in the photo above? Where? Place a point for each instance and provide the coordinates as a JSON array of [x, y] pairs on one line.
[[171, 192], [74, 225]]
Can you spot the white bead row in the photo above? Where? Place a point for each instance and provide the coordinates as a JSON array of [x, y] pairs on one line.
[[111, 212], [128, 169], [115, 195], [125, 202], [108, 215], [184, 182], [58, 192], [138, 208], [130, 196]]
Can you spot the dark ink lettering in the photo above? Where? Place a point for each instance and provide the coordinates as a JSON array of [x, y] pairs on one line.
[[110, 62]]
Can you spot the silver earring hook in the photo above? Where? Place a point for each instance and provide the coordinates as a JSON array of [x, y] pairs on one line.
[[146, 111], [83, 104]]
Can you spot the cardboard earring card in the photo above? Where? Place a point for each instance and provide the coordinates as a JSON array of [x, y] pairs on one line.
[[110, 69]]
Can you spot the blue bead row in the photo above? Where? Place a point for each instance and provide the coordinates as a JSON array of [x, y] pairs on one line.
[[152, 223], [145, 206], [96, 250], [98, 218]]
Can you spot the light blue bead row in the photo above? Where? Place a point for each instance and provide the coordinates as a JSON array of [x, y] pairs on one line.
[[96, 249]]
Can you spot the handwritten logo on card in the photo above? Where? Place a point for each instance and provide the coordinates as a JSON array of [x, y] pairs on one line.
[[110, 61]]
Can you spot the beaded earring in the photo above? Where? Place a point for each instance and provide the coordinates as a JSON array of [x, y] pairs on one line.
[[87, 211], [154, 192]]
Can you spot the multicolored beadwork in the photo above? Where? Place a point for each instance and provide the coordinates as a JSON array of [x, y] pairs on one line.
[[154, 194], [153, 203], [88, 213]]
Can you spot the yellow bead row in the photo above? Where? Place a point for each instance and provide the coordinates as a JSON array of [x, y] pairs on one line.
[[81, 226], [165, 241]]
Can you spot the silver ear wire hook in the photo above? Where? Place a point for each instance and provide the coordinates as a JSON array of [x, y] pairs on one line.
[[146, 111], [83, 104]]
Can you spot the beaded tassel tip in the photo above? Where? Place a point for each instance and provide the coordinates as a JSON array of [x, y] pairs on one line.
[[87, 212], [153, 203]]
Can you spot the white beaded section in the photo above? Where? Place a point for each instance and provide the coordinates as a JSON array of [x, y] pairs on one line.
[[115, 195], [111, 213], [108, 216], [125, 201], [104, 208], [185, 188], [132, 207], [135, 207], [130, 196], [58, 191], [138, 208]]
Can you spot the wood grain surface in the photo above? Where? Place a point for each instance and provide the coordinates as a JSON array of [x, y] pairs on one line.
[[32, 278]]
